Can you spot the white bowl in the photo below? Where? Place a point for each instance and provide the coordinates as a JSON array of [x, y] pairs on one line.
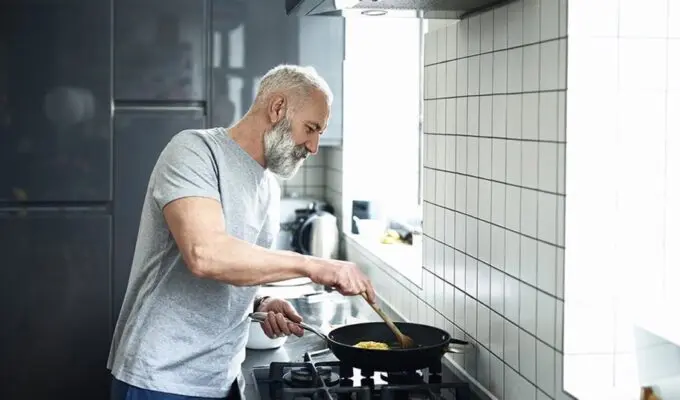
[[257, 340], [373, 229]]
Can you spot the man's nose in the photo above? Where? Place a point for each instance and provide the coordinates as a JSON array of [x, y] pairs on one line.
[[313, 145]]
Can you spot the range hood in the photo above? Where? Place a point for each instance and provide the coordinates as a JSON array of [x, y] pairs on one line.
[[428, 9]]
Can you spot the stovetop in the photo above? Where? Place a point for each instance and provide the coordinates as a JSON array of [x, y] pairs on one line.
[[318, 377]]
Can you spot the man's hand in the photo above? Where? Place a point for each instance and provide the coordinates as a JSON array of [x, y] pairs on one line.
[[276, 325], [344, 276]]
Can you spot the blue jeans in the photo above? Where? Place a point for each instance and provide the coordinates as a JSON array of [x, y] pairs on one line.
[[122, 391]]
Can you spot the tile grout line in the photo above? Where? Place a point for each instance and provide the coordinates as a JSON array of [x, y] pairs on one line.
[[538, 134], [476, 299], [536, 43], [506, 192]]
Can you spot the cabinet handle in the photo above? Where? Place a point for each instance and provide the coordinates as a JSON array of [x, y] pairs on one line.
[[217, 50]]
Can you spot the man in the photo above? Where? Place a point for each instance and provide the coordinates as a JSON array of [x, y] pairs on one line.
[[210, 214]]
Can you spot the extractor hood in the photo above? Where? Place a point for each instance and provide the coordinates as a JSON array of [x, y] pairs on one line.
[[429, 9]]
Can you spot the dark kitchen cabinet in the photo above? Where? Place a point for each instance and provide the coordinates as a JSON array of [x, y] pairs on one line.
[[160, 50], [140, 136], [55, 139], [54, 285], [248, 38]]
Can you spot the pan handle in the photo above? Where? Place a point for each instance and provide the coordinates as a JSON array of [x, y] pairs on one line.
[[460, 346], [262, 317]]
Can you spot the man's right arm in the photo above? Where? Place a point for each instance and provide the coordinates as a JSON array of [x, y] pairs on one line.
[[198, 228], [185, 187]]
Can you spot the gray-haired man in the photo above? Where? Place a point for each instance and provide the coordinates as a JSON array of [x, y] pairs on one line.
[[210, 215]]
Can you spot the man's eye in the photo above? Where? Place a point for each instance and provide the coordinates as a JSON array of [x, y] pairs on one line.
[[310, 129]]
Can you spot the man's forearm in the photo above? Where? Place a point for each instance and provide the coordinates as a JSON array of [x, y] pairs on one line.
[[231, 260]]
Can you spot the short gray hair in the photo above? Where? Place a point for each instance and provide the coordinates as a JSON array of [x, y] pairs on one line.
[[299, 79]]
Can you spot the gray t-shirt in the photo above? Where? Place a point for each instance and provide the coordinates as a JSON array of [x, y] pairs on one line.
[[178, 333]]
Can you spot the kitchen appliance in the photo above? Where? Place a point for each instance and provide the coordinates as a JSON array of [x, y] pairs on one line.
[[284, 240], [321, 376], [308, 226], [428, 9], [289, 215], [324, 235], [431, 343]]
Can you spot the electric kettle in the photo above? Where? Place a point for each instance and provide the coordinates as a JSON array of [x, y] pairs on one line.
[[319, 235]]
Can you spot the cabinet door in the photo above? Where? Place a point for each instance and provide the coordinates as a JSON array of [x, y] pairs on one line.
[[322, 45], [249, 38], [55, 138], [54, 288], [140, 136], [160, 50]]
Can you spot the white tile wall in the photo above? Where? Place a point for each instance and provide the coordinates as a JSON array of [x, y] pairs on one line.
[[623, 63], [494, 152]]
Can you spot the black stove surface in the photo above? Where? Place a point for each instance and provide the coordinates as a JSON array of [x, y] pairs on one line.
[[317, 377]]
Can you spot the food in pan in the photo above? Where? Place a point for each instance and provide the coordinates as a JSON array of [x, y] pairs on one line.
[[369, 345]]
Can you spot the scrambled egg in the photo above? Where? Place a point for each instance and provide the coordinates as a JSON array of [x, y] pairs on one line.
[[372, 345]]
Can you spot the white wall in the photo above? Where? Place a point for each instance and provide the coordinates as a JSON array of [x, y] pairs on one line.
[[623, 207]]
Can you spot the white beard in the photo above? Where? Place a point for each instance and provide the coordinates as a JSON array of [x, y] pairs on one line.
[[281, 155]]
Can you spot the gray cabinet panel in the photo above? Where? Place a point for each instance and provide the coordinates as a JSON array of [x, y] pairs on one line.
[[322, 45], [160, 50], [54, 287], [249, 38], [55, 138]]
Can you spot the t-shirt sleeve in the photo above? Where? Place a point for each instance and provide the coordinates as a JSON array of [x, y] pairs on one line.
[[185, 168]]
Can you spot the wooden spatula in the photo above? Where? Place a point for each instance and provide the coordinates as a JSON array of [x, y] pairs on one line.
[[405, 341]]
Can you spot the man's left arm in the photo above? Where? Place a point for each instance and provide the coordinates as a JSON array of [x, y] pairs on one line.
[[258, 302], [279, 311]]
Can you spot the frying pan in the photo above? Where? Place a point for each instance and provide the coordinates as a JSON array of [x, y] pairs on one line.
[[431, 343]]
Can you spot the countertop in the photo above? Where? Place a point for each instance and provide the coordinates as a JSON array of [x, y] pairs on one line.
[[295, 348]]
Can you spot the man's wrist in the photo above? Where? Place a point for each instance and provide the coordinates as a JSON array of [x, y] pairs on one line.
[[310, 266], [258, 302]]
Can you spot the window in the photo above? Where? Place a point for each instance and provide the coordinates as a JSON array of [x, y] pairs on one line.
[[622, 259], [382, 114]]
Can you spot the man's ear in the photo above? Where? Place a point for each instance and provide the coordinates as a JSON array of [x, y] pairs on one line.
[[277, 108]]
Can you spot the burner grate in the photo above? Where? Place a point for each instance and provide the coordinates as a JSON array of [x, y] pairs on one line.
[[331, 380], [338, 392], [426, 391], [304, 377], [307, 379]]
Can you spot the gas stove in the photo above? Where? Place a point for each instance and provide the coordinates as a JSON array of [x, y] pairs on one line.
[[324, 378]]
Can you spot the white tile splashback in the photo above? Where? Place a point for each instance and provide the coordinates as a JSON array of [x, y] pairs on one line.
[[494, 144]]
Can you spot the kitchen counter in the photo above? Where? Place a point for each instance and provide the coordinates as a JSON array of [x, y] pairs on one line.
[[295, 348]]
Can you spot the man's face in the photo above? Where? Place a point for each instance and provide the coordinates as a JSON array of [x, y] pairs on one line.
[[291, 140]]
